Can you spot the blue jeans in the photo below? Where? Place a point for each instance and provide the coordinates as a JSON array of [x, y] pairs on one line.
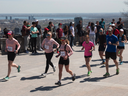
[[71, 39]]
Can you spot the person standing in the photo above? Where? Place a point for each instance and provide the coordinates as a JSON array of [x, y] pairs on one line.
[[65, 53], [112, 42], [102, 44], [89, 47], [87, 28], [120, 48], [47, 46], [11, 51], [93, 31], [65, 31], [59, 32], [34, 31], [98, 29], [80, 32], [39, 35], [102, 24], [120, 24], [113, 22], [45, 33], [72, 34], [25, 35]]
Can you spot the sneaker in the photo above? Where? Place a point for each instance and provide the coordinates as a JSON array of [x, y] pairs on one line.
[[18, 68], [58, 83], [121, 62], [103, 62], [106, 75], [117, 71], [54, 68], [89, 72], [6, 78], [73, 77], [26, 51], [44, 74], [40, 49]]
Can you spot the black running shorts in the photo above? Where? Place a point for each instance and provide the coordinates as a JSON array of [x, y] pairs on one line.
[[64, 62], [111, 55], [11, 56]]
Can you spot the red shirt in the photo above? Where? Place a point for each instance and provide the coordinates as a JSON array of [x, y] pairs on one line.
[[59, 31], [116, 32]]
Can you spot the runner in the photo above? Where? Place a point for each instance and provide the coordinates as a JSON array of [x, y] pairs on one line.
[[102, 44], [89, 47], [112, 42], [47, 46], [122, 39], [10, 49], [64, 59]]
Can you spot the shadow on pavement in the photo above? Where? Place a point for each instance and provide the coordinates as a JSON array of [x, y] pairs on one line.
[[97, 60], [3, 80], [78, 51], [37, 54], [48, 88], [125, 61], [103, 66], [77, 77], [94, 65], [95, 79], [34, 77]]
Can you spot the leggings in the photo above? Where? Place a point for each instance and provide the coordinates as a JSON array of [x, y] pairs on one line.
[[48, 60], [33, 42]]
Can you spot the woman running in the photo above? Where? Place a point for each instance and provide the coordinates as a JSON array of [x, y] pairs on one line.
[[64, 58], [122, 39], [10, 49], [89, 47], [47, 46]]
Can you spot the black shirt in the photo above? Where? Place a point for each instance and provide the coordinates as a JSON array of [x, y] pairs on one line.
[[79, 27], [50, 29], [102, 39], [120, 26], [39, 28], [98, 29]]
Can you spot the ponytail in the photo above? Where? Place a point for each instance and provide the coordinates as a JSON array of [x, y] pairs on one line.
[[67, 41]]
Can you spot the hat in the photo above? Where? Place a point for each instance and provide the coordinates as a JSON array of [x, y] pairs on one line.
[[60, 24], [113, 25], [121, 29], [10, 32], [73, 23], [36, 20], [46, 29], [110, 29], [64, 38]]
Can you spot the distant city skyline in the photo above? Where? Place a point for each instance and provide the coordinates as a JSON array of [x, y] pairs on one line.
[[62, 6]]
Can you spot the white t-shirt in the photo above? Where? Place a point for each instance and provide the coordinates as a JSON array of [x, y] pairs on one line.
[[92, 32], [73, 30]]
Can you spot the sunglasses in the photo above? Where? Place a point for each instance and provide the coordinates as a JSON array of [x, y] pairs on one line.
[[62, 39], [48, 34]]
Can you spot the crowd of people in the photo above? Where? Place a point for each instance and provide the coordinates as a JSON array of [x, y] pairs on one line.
[[111, 42]]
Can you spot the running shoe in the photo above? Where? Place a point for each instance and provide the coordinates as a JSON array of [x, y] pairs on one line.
[[44, 74], [121, 62], [106, 75], [58, 83], [103, 62], [6, 78], [58, 52], [73, 77], [54, 68], [18, 68], [117, 71], [89, 72]]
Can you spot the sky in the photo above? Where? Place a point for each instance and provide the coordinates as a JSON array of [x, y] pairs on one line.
[[62, 6]]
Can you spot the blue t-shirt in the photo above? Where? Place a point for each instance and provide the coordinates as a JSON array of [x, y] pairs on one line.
[[112, 39], [102, 24], [121, 43]]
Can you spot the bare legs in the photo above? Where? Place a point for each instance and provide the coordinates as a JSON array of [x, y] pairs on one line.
[[87, 60]]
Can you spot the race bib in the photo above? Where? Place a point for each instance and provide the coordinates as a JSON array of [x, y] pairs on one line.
[[46, 47], [9, 48], [62, 53]]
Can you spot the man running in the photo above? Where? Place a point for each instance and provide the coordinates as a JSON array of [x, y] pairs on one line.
[[112, 42]]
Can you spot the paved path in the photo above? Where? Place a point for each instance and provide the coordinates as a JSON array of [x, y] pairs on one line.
[[29, 82]]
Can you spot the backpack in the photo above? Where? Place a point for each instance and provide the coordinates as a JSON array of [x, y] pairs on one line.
[[122, 38]]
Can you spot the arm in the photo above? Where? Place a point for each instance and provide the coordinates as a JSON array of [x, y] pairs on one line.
[[42, 45], [125, 39], [17, 43], [69, 49], [95, 30], [115, 44], [54, 42], [6, 46], [93, 48]]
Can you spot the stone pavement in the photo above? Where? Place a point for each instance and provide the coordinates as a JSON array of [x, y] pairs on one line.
[[29, 82]]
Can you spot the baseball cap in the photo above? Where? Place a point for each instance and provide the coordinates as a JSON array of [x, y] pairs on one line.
[[121, 29], [73, 23], [46, 29], [113, 25], [63, 38], [60, 24], [10, 32], [110, 29], [36, 20]]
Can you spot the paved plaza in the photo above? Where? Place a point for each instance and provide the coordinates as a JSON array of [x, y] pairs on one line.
[[29, 82]]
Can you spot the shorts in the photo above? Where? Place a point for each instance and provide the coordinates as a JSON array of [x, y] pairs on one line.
[[11, 56], [81, 34], [101, 48], [64, 62], [120, 47], [87, 56], [111, 55]]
